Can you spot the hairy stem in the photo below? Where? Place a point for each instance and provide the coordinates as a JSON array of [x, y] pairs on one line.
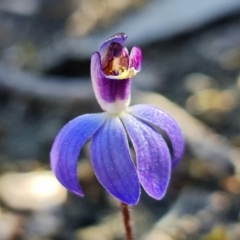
[[127, 221]]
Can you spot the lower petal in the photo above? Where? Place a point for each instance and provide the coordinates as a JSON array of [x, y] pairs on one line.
[[112, 162], [165, 122], [152, 155], [67, 145]]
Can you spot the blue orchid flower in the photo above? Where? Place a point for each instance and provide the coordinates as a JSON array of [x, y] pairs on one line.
[[112, 68]]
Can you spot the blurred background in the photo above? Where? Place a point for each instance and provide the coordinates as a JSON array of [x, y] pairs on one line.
[[191, 68]]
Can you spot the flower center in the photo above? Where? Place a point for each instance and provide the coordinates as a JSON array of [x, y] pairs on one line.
[[116, 62]]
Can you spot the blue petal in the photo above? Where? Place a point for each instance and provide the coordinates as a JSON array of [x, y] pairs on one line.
[[67, 145], [152, 155], [164, 121], [112, 162]]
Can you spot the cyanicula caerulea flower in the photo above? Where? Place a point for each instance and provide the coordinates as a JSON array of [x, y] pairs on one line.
[[112, 68]]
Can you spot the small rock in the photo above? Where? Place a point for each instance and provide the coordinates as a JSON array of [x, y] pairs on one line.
[[219, 232], [235, 140], [230, 60], [22, 7], [232, 184], [220, 202], [205, 170], [196, 82], [110, 228], [158, 234], [9, 224], [238, 81], [44, 224], [31, 191], [212, 99]]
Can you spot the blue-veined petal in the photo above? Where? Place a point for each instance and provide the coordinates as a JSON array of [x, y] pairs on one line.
[[152, 155], [164, 121], [112, 162], [136, 58], [67, 146]]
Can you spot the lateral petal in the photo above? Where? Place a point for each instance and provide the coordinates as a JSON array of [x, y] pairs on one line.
[[136, 58], [112, 162], [164, 121], [67, 145], [152, 155]]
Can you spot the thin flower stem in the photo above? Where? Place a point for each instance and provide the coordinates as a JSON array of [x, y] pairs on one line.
[[126, 220]]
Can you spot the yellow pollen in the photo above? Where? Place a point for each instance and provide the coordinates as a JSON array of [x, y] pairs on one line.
[[118, 67], [128, 73]]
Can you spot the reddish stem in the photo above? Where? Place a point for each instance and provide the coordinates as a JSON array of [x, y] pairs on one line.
[[126, 220]]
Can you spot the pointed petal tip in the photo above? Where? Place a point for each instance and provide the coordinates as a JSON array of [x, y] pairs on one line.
[[136, 58], [112, 163], [117, 38], [159, 195], [96, 69], [120, 35], [67, 145], [130, 202], [95, 59], [152, 155]]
